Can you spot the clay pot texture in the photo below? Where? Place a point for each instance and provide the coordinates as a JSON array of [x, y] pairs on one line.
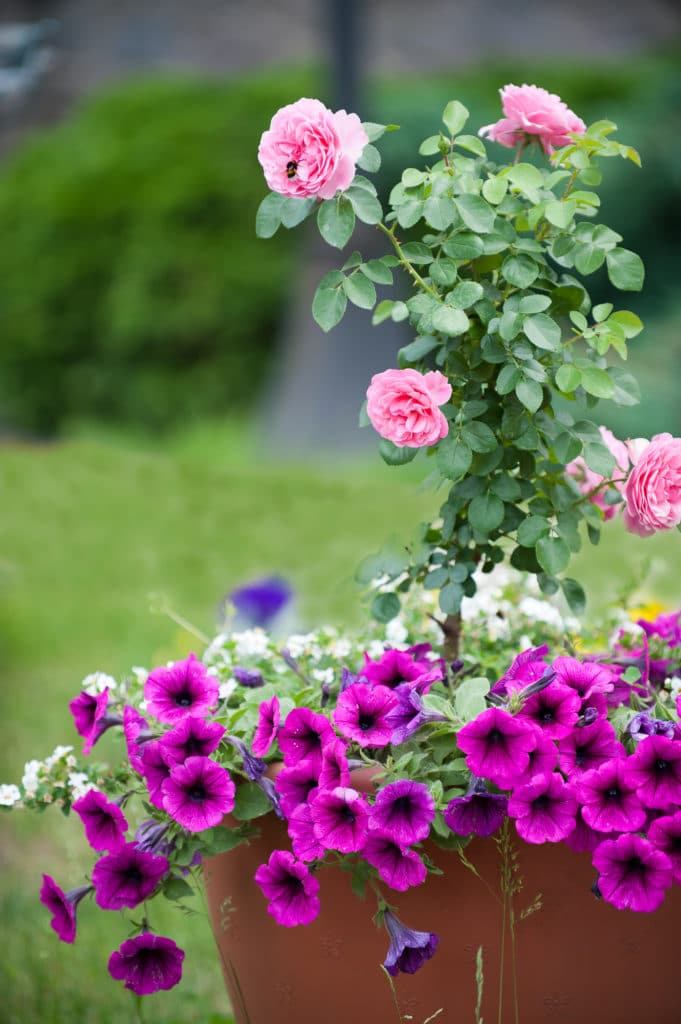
[[579, 959]]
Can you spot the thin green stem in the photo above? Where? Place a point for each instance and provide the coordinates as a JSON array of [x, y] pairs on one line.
[[514, 962], [404, 262], [392, 989], [502, 955]]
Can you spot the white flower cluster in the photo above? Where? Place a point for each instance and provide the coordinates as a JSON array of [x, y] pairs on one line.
[[44, 781]]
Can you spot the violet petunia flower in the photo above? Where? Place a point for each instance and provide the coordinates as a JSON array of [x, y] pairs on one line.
[[362, 714], [191, 737], [409, 949], [295, 785], [643, 724], [150, 837], [303, 736], [666, 626], [665, 835], [583, 837], [155, 770], [654, 770], [290, 888], [409, 714], [249, 677], [589, 679], [184, 689], [269, 715], [137, 733], [62, 905], [588, 747], [395, 667], [127, 877], [254, 767], [104, 821], [335, 770], [198, 794], [259, 603], [398, 867], [497, 745], [267, 786], [403, 810], [554, 709], [90, 716], [527, 667], [544, 758], [609, 799], [304, 842], [544, 809], [341, 819], [147, 963], [632, 873], [478, 813]]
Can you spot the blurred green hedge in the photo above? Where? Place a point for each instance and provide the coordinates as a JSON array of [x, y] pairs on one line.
[[129, 284]]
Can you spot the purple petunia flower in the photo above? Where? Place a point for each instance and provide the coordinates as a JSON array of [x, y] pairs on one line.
[[667, 627], [395, 667], [587, 678], [397, 867], [665, 835], [296, 784], [609, 800], [136, 731], [341, 819], [254, 767], [362, 713], [90, 717], [654, 770], [478, 813], [403, 810], [304, 842], [409, 714], [643, 724], [192, 737], [497, 746], [632, 873], [150, 837], [290, 889], [335, 770], [544, 758], [260, 602], [545, 809], [269, 715], [408, 949], [62, 905], [155, 769], [184, 689], [554, 709], [198, 794], [528, 667], [303, 736], [588, 747], [583, 837], [126, 878], [148, 963], [105, 824], [249, 677]]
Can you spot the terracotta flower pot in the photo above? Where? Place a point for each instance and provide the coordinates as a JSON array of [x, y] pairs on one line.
[[579, 959]]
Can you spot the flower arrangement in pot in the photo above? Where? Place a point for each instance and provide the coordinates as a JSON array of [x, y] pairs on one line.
[[474, 746]]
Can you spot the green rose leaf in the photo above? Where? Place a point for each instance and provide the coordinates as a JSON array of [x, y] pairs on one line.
[[599, 458], [450, 320], [597, 382], [328, 306], [625, 270], [466, 294], [294, 211], [469, 701], [520, 271], [494, 190], [486, 512], [509, 375], [553, 554], [530, 393], [440, 212], [629, 322], [450, 598], [377, 271], [475, 213], [268, 217], [560, 213], [454, 457], [455, 116], [574, 595], [543, 332], [395, 456], [464, 245], [417, 252], [336, 220], [366, 206], [418, 348], [568, 378], [385, 607], [532, 529], [479, 436], [360, 290], [370, 160]]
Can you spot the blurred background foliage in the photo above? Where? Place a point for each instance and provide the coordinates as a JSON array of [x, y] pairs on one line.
[[133, 290]]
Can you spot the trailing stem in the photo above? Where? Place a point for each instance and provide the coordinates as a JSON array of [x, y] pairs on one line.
[[510, 885]]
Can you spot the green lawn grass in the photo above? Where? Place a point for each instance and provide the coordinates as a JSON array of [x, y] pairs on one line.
[[89, 529]]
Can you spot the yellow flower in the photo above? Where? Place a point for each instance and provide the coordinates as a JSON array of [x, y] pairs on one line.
[[648, 611]]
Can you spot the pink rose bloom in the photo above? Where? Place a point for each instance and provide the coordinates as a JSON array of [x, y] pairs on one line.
[[653, 490], [310, 151], [532, 111], [587, 480], [403, 406]]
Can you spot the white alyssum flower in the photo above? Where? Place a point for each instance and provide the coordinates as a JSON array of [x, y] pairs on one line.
[[301, 643], [216, 647], [58, 755], [139, 674], [227, 689], [341, 648], [375, 649], [80, 784], [30, 779], [541, 611], [323, 675], [251, 643], [97, 682], [674, 684], [396, 633], [9, 795]]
